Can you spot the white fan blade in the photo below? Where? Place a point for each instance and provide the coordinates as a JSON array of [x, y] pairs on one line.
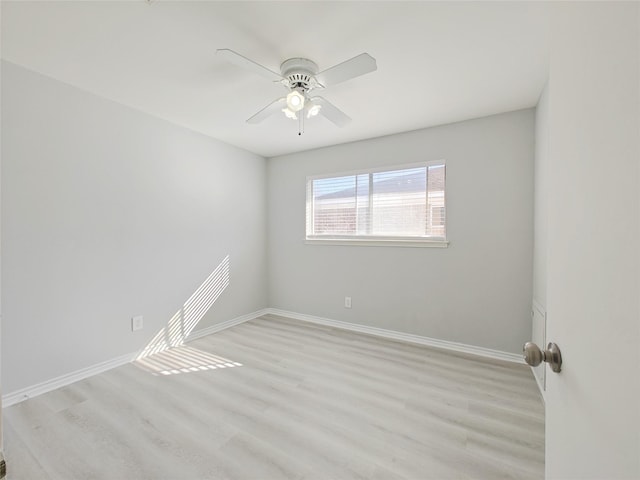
[[331, 112], [363, 63], [237, 59], [269, 110]]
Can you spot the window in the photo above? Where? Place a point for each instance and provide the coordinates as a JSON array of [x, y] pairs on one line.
[[401, 206]]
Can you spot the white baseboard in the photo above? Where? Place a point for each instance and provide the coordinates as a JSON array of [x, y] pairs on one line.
[[63, 380], [227, 324], [405, 337]]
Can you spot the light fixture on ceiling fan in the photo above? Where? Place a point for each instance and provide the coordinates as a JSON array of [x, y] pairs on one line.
[[295, 101], [300, 77]]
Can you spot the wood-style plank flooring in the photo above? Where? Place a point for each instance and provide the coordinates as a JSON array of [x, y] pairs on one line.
[[276, 398]]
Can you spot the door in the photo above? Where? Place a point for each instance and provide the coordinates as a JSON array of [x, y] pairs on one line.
[[593, 256], [2, 464]]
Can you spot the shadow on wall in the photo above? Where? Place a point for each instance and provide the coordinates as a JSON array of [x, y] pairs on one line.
[[186, 319]]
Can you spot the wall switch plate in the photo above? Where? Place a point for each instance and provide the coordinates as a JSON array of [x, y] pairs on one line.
[[347, 302], [137, 323]]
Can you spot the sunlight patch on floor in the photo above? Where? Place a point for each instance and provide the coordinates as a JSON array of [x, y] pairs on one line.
[[174, 361]]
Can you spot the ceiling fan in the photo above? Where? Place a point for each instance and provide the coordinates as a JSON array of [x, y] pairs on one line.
[[300, 76]]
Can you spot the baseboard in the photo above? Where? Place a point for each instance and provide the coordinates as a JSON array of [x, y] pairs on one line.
[[404, 337], [227, 324], [69, 378], [63, 380]]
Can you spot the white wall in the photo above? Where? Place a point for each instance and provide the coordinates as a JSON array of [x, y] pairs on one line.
[[477, 292], [593, 188], [108, 213]]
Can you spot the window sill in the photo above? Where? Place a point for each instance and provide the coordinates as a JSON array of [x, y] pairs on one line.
[[378, 242]]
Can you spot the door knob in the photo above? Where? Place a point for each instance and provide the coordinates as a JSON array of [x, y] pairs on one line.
[[534, 356]]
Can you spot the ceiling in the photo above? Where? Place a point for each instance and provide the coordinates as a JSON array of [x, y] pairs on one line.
[[438, 62]]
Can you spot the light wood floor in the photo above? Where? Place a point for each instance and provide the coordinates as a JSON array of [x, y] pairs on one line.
[[276, 398]]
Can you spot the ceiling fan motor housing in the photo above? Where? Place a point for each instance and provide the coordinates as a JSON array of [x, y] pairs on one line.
[[300, 73]]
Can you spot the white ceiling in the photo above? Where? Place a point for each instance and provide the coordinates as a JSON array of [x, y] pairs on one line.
[[438, 62]]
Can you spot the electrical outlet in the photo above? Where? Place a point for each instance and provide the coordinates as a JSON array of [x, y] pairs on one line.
[[137, 323], [347, 302]]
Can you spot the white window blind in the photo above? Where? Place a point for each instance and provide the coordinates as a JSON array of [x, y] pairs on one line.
[[403, 203]]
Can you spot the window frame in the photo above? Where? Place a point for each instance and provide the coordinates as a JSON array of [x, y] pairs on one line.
[[372, 240]]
